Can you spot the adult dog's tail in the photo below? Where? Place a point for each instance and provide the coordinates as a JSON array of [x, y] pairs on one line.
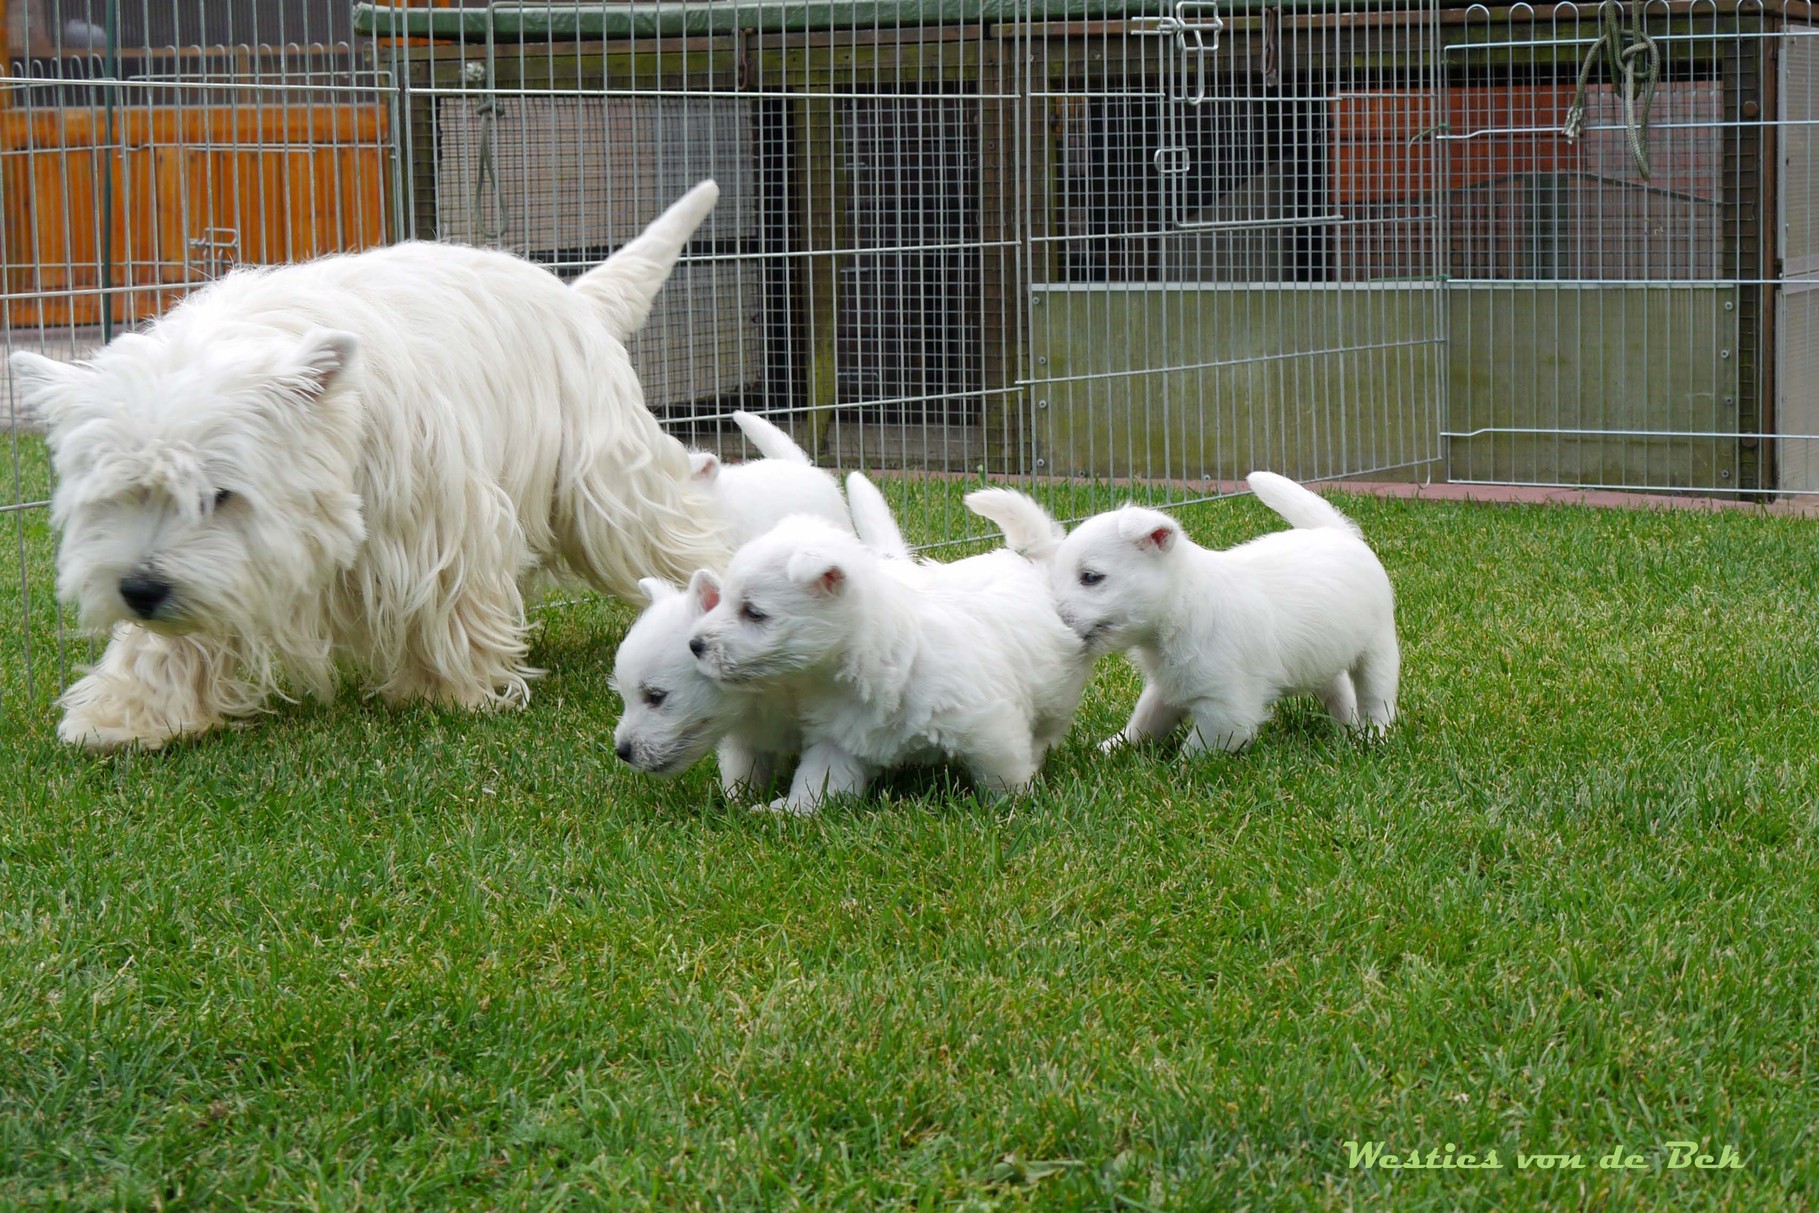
[[873, 521], [1028, 528], [623, 287], [771, 442], [1298, 506]]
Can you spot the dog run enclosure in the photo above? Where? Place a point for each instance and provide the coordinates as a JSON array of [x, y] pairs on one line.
[[1144, 245]]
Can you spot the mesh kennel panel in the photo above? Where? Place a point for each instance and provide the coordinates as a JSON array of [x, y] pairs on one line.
[[858, 281], [904, 348], [565, 180], [1611, 242], [1234, 254], [1796, 317]]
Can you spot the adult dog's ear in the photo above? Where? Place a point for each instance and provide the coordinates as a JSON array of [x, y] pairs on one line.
[[1148, 530], [704, 589], [44, 388], [818, 571], [319, 362], [703, 465]]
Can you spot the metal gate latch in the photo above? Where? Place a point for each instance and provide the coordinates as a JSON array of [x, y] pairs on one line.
[[1195, 25]]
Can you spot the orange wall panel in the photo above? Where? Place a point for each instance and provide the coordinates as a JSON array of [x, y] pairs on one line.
[[195, 190]]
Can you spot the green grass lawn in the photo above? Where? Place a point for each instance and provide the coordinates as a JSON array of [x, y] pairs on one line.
[[357, 958]]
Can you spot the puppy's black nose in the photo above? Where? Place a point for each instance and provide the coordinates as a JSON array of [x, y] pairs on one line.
[[696, 645], [624, 750], [144, 594]]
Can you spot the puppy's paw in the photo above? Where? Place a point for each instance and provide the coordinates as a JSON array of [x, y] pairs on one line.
[[1112, 743]]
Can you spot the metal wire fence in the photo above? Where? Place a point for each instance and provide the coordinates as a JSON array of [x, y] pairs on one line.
[[1615, 295], [1103, 249]]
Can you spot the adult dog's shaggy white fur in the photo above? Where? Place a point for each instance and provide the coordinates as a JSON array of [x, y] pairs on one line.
[[756, 495], [249, 494], [674, 712], [1221, 636], [891, 661]]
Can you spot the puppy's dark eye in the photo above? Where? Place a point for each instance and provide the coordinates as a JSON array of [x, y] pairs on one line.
[[222, 497], [1091, 578], [653, 698], [752, 613]]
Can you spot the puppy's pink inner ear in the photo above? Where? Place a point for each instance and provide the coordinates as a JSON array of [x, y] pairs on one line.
[[832, 580], [707, 594], [1161, 537]]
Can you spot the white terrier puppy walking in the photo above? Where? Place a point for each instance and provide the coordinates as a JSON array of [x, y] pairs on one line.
[[674, 713], [756, 495], [890, 662], [358, 461], [1221, 636]]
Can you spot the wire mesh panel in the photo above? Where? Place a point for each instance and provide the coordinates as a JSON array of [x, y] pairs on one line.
[[146, 148], [853, 282], [1795, 416], [1106, 248], [562, 180], [1612, 246], [1234, 250]]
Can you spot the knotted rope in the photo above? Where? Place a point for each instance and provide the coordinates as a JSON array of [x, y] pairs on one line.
[[1631, 53]]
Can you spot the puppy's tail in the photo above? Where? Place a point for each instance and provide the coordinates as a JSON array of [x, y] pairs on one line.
[[1028, 528], [1299, 507], [873, 521], [623, 287], [771, 442]]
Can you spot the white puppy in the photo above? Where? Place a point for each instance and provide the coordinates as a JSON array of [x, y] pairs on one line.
[[674, 713], [1221, 636], [756, 495], [892, 662], [358, 462]]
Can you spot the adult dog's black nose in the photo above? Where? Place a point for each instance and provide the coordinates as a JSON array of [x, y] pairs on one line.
[[144, 594], [696, 645], [624, 750]]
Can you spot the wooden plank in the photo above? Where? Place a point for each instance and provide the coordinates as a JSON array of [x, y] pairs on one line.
[[820, 187], [42, 129], [1003, 409], [286, 185]]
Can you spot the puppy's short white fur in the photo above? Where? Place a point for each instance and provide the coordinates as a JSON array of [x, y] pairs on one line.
[[1220, 636], [756, 495], [890, 662], [358, 462], [674, 713]]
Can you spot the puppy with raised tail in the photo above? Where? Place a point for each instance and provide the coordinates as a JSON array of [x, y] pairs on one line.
[[756, 495], [674, 713], [1220, 636], [891, 662]]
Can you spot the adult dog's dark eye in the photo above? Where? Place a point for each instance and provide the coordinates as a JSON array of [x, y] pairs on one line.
[[222, 497], [1091, 578], [752, 613], [653, 698]]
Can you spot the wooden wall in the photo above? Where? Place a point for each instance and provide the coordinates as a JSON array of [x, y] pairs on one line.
[[195, 190]]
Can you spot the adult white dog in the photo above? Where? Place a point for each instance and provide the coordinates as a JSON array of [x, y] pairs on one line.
[[756, 495], [358, 461], [889, 662], [1220, 636], [674, 713]]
